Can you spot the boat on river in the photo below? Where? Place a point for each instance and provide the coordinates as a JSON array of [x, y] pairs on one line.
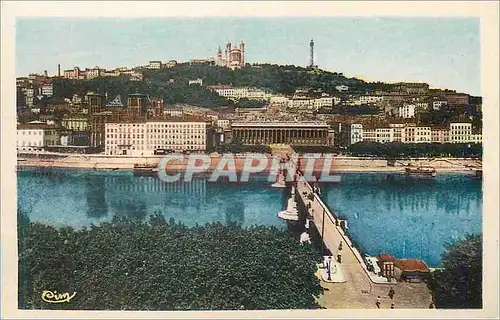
[[421, 172], [478, 175], [145, 169]]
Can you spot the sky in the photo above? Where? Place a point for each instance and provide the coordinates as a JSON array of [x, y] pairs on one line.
[[444, 52]]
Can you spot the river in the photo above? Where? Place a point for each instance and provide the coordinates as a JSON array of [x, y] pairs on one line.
[[404, 217]]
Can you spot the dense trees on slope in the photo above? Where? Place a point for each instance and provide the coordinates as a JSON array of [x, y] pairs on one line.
[[171, 84], [160, 265]]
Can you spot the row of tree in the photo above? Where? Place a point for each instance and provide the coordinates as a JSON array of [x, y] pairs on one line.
[[399, 149], [236, 146], [164, 265]]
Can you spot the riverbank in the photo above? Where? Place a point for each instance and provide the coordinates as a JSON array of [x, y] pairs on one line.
[[337, 164]]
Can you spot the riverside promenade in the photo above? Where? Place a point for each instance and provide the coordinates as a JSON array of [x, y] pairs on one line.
[[362, 287]]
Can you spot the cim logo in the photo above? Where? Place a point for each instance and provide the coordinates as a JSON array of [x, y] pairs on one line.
[[54, 297]]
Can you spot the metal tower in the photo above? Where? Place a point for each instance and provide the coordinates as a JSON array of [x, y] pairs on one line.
[[311, 58]]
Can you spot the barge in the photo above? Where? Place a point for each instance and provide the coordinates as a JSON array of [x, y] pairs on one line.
[[421, 172]]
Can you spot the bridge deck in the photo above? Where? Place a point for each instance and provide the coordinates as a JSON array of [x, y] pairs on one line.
[[359, 291]]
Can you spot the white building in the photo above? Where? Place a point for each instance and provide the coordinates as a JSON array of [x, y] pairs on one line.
[[223, 123], [407, 111], [398, 130], [421, 105], [30, 94], [242, 92], [384, 135], [342, 88], [323, 102], [476, 138], [370, 134], [356, 133], [154, 65], [279, 100], [460, 132], [414, 134], [436, 105], [440, 134], [47, 90], [197, 81], [301, 103], [174, 111], [36, 135], [370, 99], [143, 138]]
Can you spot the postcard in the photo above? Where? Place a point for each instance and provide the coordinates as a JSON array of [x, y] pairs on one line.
[[245, 160]]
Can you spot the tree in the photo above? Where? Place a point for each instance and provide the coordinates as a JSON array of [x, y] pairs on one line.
[[128, 264], [459, 284]]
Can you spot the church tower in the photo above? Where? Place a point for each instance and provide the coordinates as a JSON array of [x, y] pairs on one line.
[[242, 48]]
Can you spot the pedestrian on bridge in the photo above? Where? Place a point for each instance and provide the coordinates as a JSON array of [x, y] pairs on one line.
[[391, 293], [378, 302]]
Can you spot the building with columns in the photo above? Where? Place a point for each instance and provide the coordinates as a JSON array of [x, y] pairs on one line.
[[297, 133]]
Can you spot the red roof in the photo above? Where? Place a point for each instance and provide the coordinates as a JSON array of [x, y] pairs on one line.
[[411, 265], [385, 257]]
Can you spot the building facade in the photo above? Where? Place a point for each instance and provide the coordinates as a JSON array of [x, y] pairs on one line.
[[197, 81], [414, 134], [155, 65], [296, 133], [241, 92], [410, 88], [37, 135], [356, 133], [47, 89], [75, 123], [144, 137], [407, 111], [440, 134], [460, 132]]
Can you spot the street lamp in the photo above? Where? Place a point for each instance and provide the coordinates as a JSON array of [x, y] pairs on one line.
[[323, 233]]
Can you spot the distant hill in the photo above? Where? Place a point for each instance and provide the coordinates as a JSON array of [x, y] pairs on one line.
[[171, 84]]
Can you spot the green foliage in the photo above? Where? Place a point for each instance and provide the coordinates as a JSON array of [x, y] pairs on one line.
[[131, 265], [236, 146], [247, 103], [314, 149], [352, 110], [399, 149], [459, 284], [447, 114], [171, 84]]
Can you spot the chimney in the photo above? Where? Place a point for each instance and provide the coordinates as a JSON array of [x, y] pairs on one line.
[[58, 70]]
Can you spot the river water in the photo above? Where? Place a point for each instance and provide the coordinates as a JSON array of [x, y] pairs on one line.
[[404, 217]]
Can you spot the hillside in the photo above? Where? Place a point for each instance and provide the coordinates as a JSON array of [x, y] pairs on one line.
[[171, 84]]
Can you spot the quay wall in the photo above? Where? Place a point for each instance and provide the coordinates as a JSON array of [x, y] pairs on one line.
[[336, 164]]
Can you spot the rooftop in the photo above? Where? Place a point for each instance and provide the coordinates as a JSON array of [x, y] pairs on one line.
[[35, 126], [411, 265], [285, 124], [385, 257]]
